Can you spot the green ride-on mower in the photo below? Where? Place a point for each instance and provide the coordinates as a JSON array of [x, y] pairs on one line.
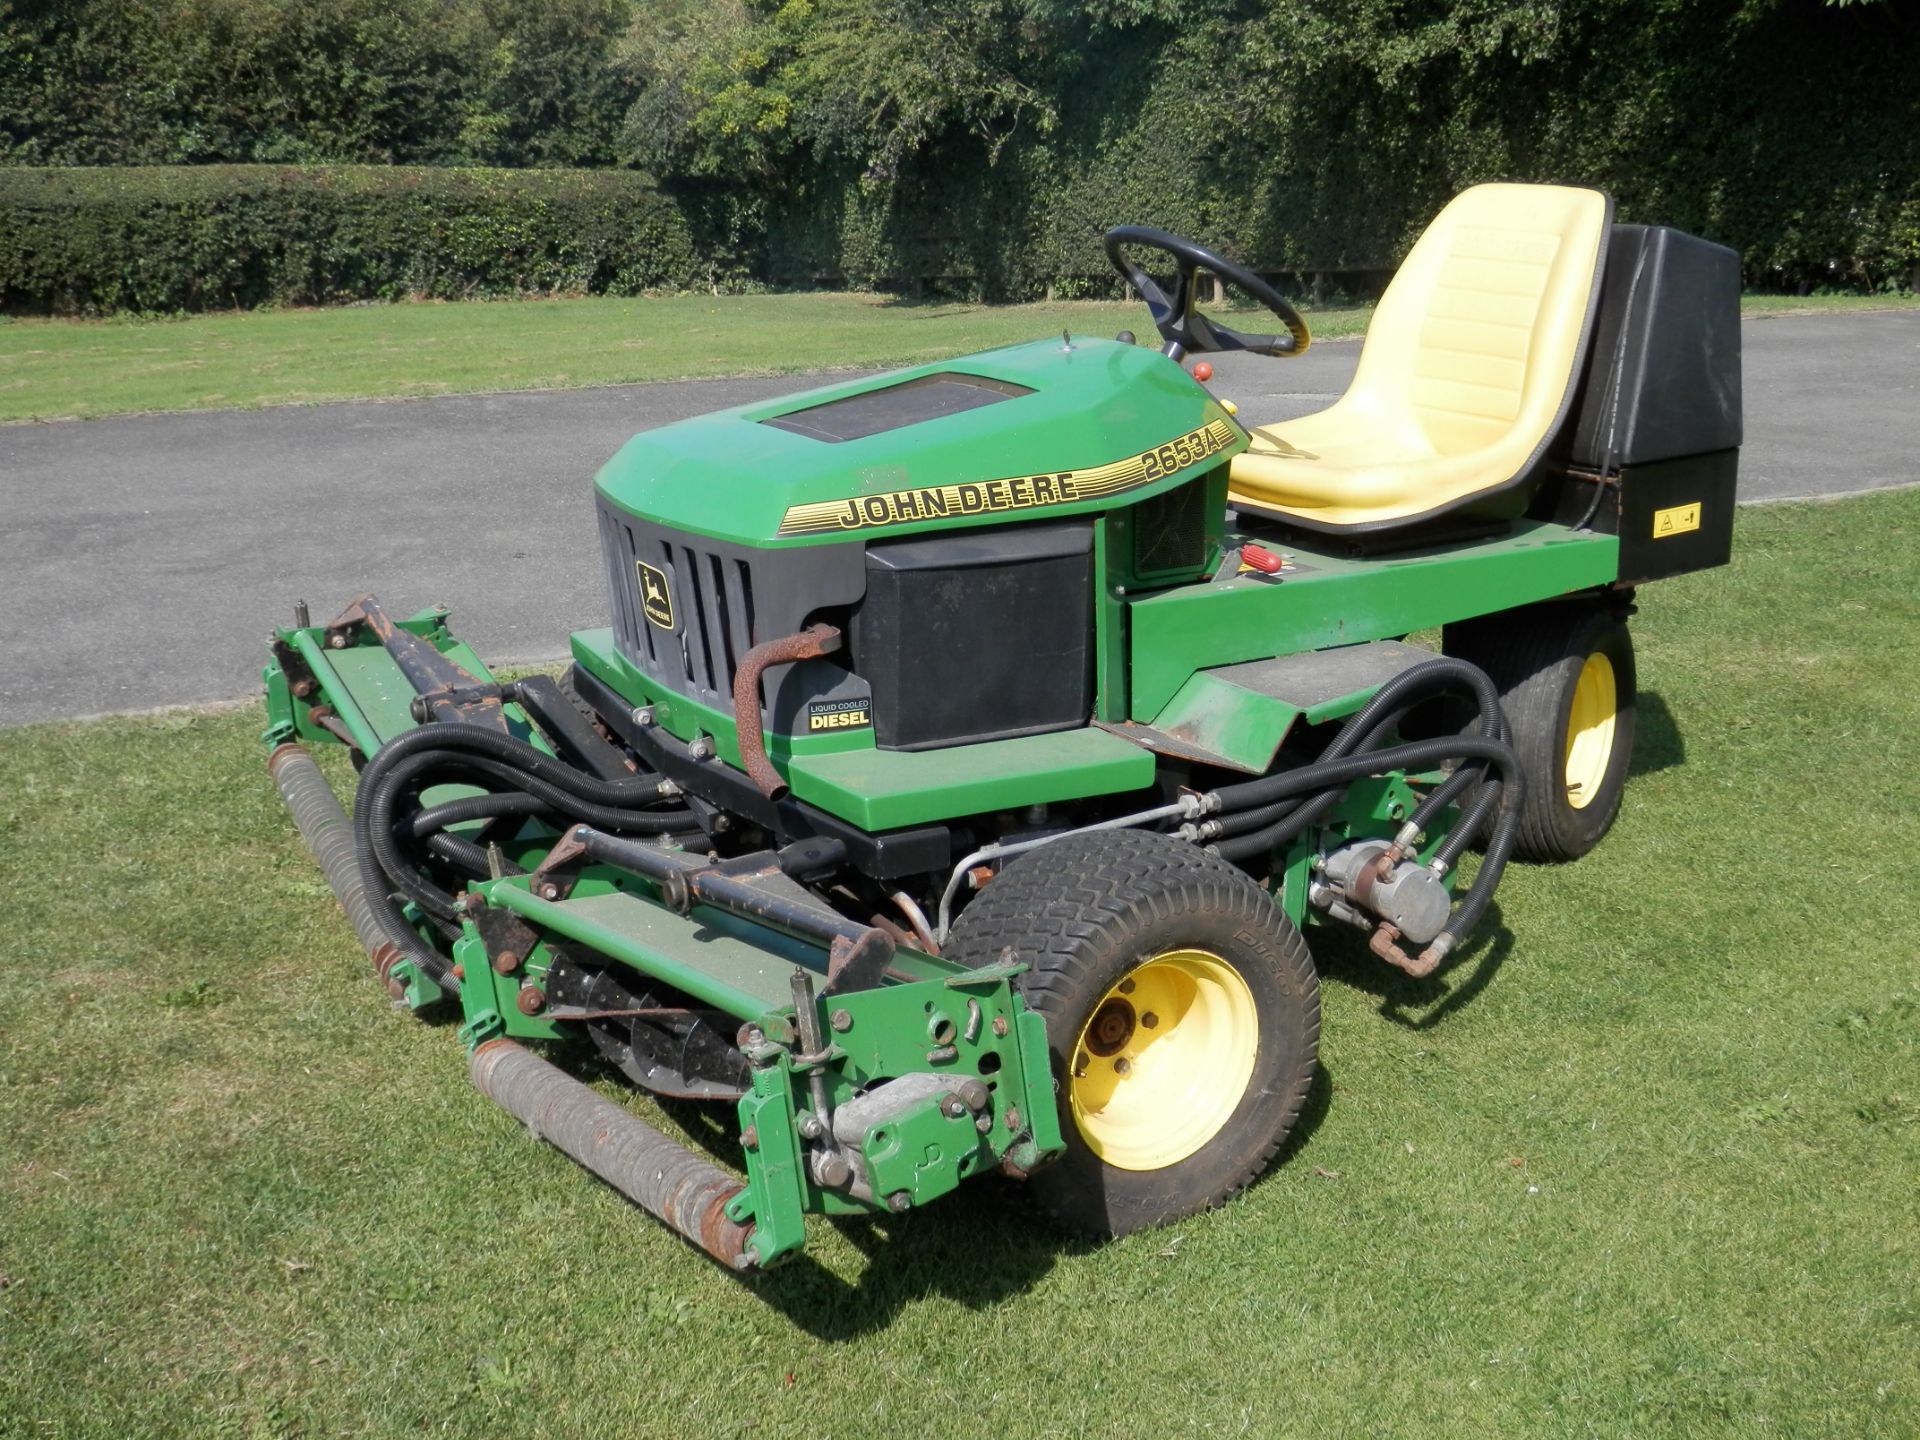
[[975, 746]]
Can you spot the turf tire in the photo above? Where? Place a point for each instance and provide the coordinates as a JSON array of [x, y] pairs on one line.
[[1082, 913], [1534, 655]]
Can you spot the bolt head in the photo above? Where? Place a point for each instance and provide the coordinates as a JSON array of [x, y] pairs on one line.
[[899, 1201], [841, 1021], [336, 642], [1122, 1066], [810, 1126], [1149, 1019], [549, 892], [954, 1106], [1000, 1026], [1126, 987], [530, 1001], [642, 715]]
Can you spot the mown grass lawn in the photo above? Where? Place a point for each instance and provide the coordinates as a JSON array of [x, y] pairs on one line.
[[64, 368], [72, 369], [1644, 1161]]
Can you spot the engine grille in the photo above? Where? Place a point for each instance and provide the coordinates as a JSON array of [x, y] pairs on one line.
[[712, 609]]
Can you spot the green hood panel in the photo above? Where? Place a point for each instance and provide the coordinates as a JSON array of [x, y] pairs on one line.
[[1102, 420]]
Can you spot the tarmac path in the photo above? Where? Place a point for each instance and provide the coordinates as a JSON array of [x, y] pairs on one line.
[[143, 559]]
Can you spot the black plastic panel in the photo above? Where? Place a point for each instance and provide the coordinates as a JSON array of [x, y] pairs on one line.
[[1170, 531], [1676, 515], [874, 412], [1663, 374], [978, 635]]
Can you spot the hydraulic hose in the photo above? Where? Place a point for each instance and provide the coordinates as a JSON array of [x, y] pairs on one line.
[[474, 807], [1258, 816], [407, 758]]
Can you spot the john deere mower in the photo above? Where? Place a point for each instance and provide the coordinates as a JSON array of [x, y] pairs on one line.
[[974, 747]]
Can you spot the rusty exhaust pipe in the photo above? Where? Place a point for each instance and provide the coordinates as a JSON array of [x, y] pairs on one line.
[[658, 1174], [810, 644]]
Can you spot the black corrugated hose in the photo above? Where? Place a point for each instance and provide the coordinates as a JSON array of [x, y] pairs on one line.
[[529, 782]]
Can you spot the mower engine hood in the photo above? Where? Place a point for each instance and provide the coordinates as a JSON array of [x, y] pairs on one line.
[[1043, 430]]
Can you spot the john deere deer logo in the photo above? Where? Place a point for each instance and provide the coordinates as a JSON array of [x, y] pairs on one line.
[[656, 596]]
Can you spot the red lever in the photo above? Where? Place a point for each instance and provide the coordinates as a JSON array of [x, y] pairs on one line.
[[1203, 372], [1265, 561]]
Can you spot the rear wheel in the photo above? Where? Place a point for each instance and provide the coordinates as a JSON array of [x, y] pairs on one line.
[[1182, 1013], [1566, 679]]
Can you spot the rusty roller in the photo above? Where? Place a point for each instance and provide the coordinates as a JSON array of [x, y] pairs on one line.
[[657, 1173]]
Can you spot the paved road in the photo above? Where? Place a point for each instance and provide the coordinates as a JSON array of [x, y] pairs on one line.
[[143, 559]]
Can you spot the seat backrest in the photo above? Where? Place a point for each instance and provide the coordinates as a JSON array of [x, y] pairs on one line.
[[1479, 337]]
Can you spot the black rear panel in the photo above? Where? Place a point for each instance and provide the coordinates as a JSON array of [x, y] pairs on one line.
[[976, 636], [1663, 376]]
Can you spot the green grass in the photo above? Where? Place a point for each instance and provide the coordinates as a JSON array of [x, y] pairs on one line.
[[1643, 1162], [75, 369], [57, 369], [1767, 305]]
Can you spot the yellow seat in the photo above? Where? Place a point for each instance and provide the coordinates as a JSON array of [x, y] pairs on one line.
[[1467, 373]]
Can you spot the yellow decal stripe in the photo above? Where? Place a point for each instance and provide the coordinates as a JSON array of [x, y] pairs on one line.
[[1016, 492]]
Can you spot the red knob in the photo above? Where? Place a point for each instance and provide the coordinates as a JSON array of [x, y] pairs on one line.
[[1203, 372], [1263, 560]]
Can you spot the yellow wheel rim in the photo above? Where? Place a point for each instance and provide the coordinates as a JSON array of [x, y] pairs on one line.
[[1590, 731], [1163, 1060]]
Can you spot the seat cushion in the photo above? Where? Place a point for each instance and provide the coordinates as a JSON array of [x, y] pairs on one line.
[[1466, 375]]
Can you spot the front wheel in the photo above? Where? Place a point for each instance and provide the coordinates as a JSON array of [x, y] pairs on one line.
[[1182, 1013]]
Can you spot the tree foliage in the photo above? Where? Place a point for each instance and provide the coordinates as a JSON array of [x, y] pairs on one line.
[[984, 144]]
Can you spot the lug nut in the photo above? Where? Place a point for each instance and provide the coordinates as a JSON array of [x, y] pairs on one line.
[[1149, 1019], [1122, 1066]]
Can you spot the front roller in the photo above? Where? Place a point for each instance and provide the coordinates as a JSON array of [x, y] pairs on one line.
[[658, 1174]]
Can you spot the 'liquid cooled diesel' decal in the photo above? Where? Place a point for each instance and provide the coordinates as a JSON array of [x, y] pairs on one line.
[[838, 715], [1018, 492]]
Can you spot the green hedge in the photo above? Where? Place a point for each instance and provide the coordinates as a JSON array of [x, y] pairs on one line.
[[1320, 138], [76, 241]]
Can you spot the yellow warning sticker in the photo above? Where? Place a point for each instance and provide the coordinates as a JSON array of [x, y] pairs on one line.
[[1676, 521], [656, 595]]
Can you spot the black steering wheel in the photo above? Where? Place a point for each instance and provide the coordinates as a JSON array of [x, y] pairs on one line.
[[1184, 328]]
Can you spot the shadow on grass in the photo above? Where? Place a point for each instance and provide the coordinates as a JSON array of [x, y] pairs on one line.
[[1657, 744], [980, 1247], [1407, 1002]]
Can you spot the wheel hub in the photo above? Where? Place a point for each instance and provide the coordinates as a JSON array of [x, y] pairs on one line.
[[1162, 1062], [1590, 726], [1111, 1027]]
